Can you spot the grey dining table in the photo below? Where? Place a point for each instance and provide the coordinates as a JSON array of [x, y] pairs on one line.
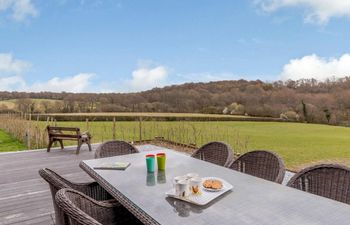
[[252, 200]]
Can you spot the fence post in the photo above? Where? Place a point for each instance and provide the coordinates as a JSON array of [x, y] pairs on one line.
[[37, 132], [87, 124], [114, 130], [140, 128], [28, 131]]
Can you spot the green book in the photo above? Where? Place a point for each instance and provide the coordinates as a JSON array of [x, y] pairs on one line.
[[113, 166]]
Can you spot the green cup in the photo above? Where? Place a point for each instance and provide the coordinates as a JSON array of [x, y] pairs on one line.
[[161, 159], [150, 161]]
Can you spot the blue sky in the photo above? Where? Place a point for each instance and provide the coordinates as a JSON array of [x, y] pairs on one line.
[[133, 45]]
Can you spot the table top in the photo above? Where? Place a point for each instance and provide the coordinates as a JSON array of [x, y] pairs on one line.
[[252, 200]]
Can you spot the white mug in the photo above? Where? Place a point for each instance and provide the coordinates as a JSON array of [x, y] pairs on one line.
[[177, 179], [191, 175], [195, 184], [181, 188]]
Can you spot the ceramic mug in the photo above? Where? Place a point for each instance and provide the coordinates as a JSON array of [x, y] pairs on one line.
[[181, 188], [195, 184], [192, 175], [177, 179]]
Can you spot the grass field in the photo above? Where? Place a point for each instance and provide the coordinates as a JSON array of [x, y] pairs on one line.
[[298, 144], [8, 143], [154, 116]]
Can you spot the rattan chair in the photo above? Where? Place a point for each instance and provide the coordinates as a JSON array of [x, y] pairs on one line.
[[218, 153], [56, 182], [83, 210], [114, 148], [261, 163], [327, 180]]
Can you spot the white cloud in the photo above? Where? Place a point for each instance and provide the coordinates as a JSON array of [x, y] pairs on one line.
[[145, 78], [11, 70], [317, 11], [9, 65], [77, 83], [20, 9], [12, 78], [11, 83], [313, 66]]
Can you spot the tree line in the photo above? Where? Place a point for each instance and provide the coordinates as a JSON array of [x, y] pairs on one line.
[[306, 100]]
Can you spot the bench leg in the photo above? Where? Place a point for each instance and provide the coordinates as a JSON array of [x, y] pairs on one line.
[[88, 143], [79, 146], [61, 143], [50, 145]]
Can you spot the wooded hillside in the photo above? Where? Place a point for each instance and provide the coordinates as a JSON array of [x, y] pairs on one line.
[[302, 100]]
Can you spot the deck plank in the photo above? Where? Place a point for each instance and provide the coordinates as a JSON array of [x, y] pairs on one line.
[[25, 197]]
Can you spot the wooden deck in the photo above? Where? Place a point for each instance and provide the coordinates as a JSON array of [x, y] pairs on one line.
[[25, 197]]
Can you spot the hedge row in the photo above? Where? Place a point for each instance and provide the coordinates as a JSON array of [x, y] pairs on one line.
[[150, 118]]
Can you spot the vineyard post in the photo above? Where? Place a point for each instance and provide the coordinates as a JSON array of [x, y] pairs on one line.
[[28, 131], [114, 130], [140, 127], [87, 124], [37, 131], [44, 134]]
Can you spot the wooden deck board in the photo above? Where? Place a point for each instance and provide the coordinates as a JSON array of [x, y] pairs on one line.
[[25, 197]]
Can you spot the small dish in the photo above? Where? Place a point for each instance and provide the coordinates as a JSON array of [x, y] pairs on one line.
[[216, 180], [212, 190]]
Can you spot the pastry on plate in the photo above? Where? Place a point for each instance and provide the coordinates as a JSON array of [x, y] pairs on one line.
[[212, 184]]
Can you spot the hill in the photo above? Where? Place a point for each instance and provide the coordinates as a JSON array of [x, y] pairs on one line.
[[15, 104], [302, 100]]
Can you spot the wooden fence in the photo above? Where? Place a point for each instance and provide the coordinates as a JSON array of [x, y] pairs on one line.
[[31, 131]]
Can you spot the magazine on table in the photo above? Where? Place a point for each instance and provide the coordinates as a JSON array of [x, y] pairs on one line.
[[113, 166]]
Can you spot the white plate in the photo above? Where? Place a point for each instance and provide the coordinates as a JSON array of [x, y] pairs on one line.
[[211, 189], [206, 196]]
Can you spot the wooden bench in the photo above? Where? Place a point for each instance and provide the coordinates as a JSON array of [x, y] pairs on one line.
[[57, 134]]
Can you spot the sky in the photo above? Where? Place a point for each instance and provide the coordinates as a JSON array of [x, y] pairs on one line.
[[135, 45]]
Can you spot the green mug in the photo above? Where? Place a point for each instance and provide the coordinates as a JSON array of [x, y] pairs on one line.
[[161, 159]]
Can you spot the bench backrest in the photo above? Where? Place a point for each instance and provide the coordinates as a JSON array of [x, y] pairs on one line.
[[58, 131]]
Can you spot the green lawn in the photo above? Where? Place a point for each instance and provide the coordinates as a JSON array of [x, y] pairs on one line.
[[298, 144], [8, 143]]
